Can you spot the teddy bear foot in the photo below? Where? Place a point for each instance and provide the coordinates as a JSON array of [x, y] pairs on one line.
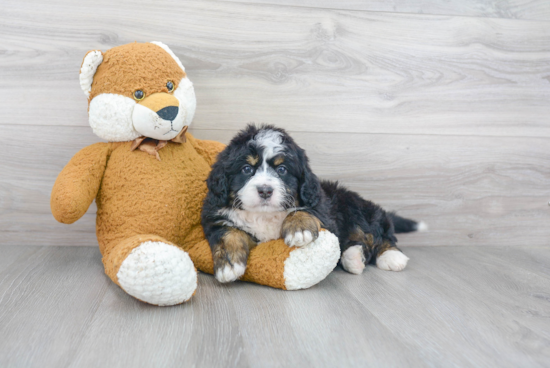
[[308, 265], [158, 273]]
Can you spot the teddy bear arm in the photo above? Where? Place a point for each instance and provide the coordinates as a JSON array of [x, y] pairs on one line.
[[207, 149], [78, 183]]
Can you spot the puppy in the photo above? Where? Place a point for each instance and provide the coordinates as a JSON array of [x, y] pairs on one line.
[[262, 188]]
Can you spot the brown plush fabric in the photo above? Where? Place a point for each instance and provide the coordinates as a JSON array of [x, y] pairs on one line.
[[149, 190], [138, 196], [76, 186], [113, 258], [127, 68]]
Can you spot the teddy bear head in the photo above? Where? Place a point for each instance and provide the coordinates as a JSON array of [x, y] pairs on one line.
[[136, 90]]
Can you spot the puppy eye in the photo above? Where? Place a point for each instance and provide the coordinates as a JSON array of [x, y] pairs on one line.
[[170, 86], [138, 95], [281, 170], [247, 169]]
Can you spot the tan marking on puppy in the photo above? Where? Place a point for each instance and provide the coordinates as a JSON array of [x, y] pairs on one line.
[[298, 226], [359, 236], [252, 160], [232, 250], [386, 245], [279, 160]]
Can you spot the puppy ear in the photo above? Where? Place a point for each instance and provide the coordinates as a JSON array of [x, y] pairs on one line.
[[309, 185], [218, 185], [87, 70]]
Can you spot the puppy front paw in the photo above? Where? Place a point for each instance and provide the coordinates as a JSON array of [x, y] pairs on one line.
[[229, 272], [230, 255], [299, 238], [300, 228]]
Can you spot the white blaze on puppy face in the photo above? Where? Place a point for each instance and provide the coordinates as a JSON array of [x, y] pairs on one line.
[[270, 142]]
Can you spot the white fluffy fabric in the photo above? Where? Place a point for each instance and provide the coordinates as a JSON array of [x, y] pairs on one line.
[[110, 117], [392, 260], [88, 69], [185, 93], [353, 259], [159, 274], [308, 265]]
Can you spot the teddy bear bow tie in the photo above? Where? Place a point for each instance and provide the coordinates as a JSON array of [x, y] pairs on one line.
[[153, 146]]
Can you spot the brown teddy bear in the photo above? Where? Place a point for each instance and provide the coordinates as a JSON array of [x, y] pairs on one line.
[[149, 183]]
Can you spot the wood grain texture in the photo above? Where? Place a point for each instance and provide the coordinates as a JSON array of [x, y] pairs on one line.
[[514, 9], [470, 190], [301, 68], [452, 307], [441, 117]]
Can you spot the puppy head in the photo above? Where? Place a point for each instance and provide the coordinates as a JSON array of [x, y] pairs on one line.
[[263, 170], [138, 89]]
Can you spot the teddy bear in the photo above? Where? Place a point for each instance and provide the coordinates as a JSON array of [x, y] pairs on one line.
[[149, 183]]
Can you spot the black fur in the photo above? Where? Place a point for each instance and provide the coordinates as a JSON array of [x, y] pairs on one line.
[[354, 220]]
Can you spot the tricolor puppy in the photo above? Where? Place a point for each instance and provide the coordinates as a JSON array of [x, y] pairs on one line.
[[261, 188]]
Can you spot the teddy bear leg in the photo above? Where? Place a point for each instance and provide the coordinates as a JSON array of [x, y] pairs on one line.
[[151, 269], [277, 265], [308, 265]]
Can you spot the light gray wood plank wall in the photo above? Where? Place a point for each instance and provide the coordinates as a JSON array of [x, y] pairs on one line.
[[441, 117], [515, 9]]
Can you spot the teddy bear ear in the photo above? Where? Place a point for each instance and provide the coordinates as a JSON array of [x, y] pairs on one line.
[[167, 49], [87, 70]]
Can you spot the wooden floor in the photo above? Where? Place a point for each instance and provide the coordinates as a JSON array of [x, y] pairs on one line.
[[452, 307]]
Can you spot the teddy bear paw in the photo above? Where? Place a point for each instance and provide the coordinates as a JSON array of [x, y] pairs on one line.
[[311, 263], [158, 273]]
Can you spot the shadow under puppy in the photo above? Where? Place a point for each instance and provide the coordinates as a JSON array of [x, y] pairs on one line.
[[262, 188]]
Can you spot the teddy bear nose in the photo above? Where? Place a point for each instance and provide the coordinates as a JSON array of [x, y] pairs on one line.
[[168, 113]]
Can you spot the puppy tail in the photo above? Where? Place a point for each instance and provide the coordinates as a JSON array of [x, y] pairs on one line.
[[404, 225]]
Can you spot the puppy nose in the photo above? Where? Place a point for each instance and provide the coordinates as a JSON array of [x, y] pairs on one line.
[[168, 113], [265, 191]]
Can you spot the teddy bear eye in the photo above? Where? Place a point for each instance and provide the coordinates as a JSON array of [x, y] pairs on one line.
[[170, 86], [138, 95]]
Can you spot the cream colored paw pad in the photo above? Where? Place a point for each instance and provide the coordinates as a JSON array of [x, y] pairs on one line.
[[158, 273]]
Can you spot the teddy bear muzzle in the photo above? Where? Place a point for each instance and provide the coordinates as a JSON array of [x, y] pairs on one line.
[[159, 116]]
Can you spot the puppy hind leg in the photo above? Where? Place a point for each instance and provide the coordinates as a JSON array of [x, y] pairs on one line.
[[358, 252], [353, 259], [390, 258]]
